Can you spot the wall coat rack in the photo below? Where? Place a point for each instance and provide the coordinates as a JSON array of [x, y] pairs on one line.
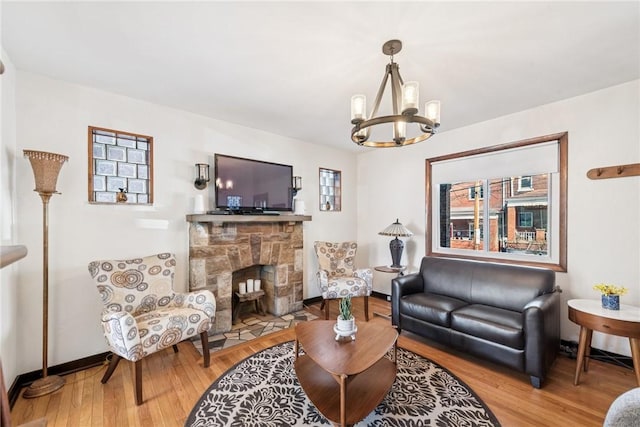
[[618, 171]]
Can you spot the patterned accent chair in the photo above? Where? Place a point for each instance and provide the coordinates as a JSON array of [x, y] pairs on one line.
[[337, 275], [142, 314]]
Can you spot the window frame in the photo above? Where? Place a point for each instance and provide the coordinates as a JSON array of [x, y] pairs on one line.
[[529, 216], [119, 165], [330, 189], [522, 187], [560, 211], [472, 193]]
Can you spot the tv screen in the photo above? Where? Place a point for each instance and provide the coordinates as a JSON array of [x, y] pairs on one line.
[[252, 185]]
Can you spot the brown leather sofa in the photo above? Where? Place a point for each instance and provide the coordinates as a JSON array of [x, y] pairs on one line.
[[500, 312]]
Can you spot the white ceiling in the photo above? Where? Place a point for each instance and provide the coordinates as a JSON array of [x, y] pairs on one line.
[[291, 67]]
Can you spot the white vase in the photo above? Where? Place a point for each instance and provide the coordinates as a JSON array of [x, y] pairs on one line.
[[346, 325]]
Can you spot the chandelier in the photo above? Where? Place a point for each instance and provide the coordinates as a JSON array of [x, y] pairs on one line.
[[404, 99]]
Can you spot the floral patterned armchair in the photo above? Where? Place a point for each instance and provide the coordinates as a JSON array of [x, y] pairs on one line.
[[142, 314], [337, 275]]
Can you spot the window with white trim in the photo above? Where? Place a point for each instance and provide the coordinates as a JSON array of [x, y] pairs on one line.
[[520, 216], [525, 183]]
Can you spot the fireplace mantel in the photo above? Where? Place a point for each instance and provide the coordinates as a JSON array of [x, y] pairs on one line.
[[266, 247], [247, 218]]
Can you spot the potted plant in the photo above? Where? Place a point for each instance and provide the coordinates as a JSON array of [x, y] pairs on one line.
[[610, 295], [346, 321]]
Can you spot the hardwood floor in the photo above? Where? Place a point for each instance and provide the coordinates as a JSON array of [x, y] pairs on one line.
[[172, 384]]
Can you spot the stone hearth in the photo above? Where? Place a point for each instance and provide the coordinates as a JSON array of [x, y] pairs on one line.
[[271, 246]]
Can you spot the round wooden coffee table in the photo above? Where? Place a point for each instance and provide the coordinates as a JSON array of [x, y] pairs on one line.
[[346, 380]]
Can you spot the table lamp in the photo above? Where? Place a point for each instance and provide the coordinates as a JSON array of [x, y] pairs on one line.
[[396, 245]]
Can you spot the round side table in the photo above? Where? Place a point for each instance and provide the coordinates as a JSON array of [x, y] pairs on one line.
[[385, 269], [590, 315]]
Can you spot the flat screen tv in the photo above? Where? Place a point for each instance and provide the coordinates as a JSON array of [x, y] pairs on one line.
[[247, 185]]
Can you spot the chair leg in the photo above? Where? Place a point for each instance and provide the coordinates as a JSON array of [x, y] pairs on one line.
[[112, 367], [326, 308], [175, 348], [138, 381], [204, 337], [366, 308]]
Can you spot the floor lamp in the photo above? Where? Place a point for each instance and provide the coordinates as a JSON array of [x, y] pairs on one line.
[[46, 167]]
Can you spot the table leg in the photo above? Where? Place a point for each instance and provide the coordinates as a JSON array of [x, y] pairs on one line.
[[260, 306], [236, 311], [587, 350], [343, 400], [635, 356], [581, 350]]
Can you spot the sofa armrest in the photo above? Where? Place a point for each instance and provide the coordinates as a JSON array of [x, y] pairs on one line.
[[542, 332], [401, 286]]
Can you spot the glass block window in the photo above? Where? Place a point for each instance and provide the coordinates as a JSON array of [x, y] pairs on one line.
[[120, 167], [330, 190]]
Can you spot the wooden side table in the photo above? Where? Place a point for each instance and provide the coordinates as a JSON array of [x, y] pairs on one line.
[[590, 315], [385, 269], [255, 297]]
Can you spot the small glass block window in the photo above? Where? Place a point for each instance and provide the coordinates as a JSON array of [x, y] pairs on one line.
[[330, 190], [120, 167]]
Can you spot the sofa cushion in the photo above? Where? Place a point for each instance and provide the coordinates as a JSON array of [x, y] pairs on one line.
[[432, 308], [446, 276], [490, 323], [509, 286]]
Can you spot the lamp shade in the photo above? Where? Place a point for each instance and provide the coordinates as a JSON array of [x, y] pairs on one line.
[[396, 229], [46, 167]]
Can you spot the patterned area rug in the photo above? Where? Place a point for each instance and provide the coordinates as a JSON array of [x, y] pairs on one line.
[[250, 326], [262, 390]]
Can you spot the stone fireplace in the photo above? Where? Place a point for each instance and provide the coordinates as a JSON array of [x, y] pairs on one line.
[[269, 248]]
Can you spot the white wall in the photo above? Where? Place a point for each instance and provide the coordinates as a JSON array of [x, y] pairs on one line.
[[603, 215], [53, 116], [8, 236], [386, 184]]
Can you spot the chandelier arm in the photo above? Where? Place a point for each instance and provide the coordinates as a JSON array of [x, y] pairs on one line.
[[396, 89], [383, 84]]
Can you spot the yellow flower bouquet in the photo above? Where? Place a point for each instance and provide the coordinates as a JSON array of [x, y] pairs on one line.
[[607, 289]]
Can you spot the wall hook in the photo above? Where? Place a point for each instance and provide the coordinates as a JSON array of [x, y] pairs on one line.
[[618, 171]]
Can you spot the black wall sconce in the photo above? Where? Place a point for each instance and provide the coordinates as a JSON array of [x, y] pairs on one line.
[[202, 176], [296, 185]]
